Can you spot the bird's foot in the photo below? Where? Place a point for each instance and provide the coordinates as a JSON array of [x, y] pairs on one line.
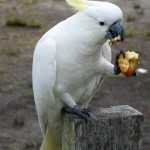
[[82, 113], [116, 66]]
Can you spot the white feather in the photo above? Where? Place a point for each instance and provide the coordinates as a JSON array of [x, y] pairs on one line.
[[70, 63], [44, 75]]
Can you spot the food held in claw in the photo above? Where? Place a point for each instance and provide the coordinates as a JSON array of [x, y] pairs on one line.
[[128, 64]]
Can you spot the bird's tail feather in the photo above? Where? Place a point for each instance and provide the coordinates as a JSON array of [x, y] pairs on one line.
[[48, 142]]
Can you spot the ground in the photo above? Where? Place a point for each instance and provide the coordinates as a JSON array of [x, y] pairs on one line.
[[19, 126]]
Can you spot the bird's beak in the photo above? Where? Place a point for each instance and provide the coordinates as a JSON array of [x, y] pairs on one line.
[[115, 32]]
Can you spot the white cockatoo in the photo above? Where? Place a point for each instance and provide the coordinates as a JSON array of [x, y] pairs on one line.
[[70, 62]]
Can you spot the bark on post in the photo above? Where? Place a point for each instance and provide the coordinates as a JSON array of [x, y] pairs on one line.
[[115, 128]]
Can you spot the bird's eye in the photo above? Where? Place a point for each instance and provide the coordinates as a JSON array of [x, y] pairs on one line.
[[102, 23]]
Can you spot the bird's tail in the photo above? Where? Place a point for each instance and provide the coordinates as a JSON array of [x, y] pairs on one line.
[[48, 142]]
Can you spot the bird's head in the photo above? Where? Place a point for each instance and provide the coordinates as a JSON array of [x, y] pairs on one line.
[[105, 18]]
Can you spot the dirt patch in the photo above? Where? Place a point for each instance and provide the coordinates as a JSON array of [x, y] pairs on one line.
[[19, 128]]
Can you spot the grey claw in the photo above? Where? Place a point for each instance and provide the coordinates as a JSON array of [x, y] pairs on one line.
[[82, 113], [121, 52], [116, 67], [86, 112]]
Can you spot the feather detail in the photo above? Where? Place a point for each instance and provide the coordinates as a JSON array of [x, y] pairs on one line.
[[48, 142], [78, 5]]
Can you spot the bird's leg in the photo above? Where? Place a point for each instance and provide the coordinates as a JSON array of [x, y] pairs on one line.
[[71, 107], [82, 113], [116, 66]]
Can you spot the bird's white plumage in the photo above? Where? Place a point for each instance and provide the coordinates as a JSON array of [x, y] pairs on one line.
[[70, 63], [44, 75]]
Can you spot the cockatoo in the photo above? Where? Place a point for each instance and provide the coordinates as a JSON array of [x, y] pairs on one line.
[[70, 62]]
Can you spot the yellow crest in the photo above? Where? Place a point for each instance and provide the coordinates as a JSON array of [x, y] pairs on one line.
[[78, 5]]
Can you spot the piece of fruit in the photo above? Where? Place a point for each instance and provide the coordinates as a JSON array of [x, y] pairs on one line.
[[128, 64], [114, 40]]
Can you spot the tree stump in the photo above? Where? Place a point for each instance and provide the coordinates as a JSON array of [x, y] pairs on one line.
[[115, 128]]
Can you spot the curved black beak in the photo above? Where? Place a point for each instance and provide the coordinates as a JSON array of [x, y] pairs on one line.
[[115, 30]]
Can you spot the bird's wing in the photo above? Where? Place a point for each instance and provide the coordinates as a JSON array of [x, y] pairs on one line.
[[44, 75]]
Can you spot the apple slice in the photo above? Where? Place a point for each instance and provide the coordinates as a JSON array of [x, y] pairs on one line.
[[128, 64]]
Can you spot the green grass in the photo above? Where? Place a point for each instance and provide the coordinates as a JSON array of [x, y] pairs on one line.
[[22, 22], [147, 33], [30, 84], [139, 10], [14, 147], [130, 18], [141, 84], [29, 2], [138, 85], [136, 6], [12, 52], [2, 69], [4, 78], [18, 121], [32, 143], [129, 32], [7, 89], [28, 94]]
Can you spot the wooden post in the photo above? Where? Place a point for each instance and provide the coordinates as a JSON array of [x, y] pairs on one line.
[[115, 128]]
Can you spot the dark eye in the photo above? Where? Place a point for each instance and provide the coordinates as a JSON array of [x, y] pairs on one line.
[[102, 23]]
